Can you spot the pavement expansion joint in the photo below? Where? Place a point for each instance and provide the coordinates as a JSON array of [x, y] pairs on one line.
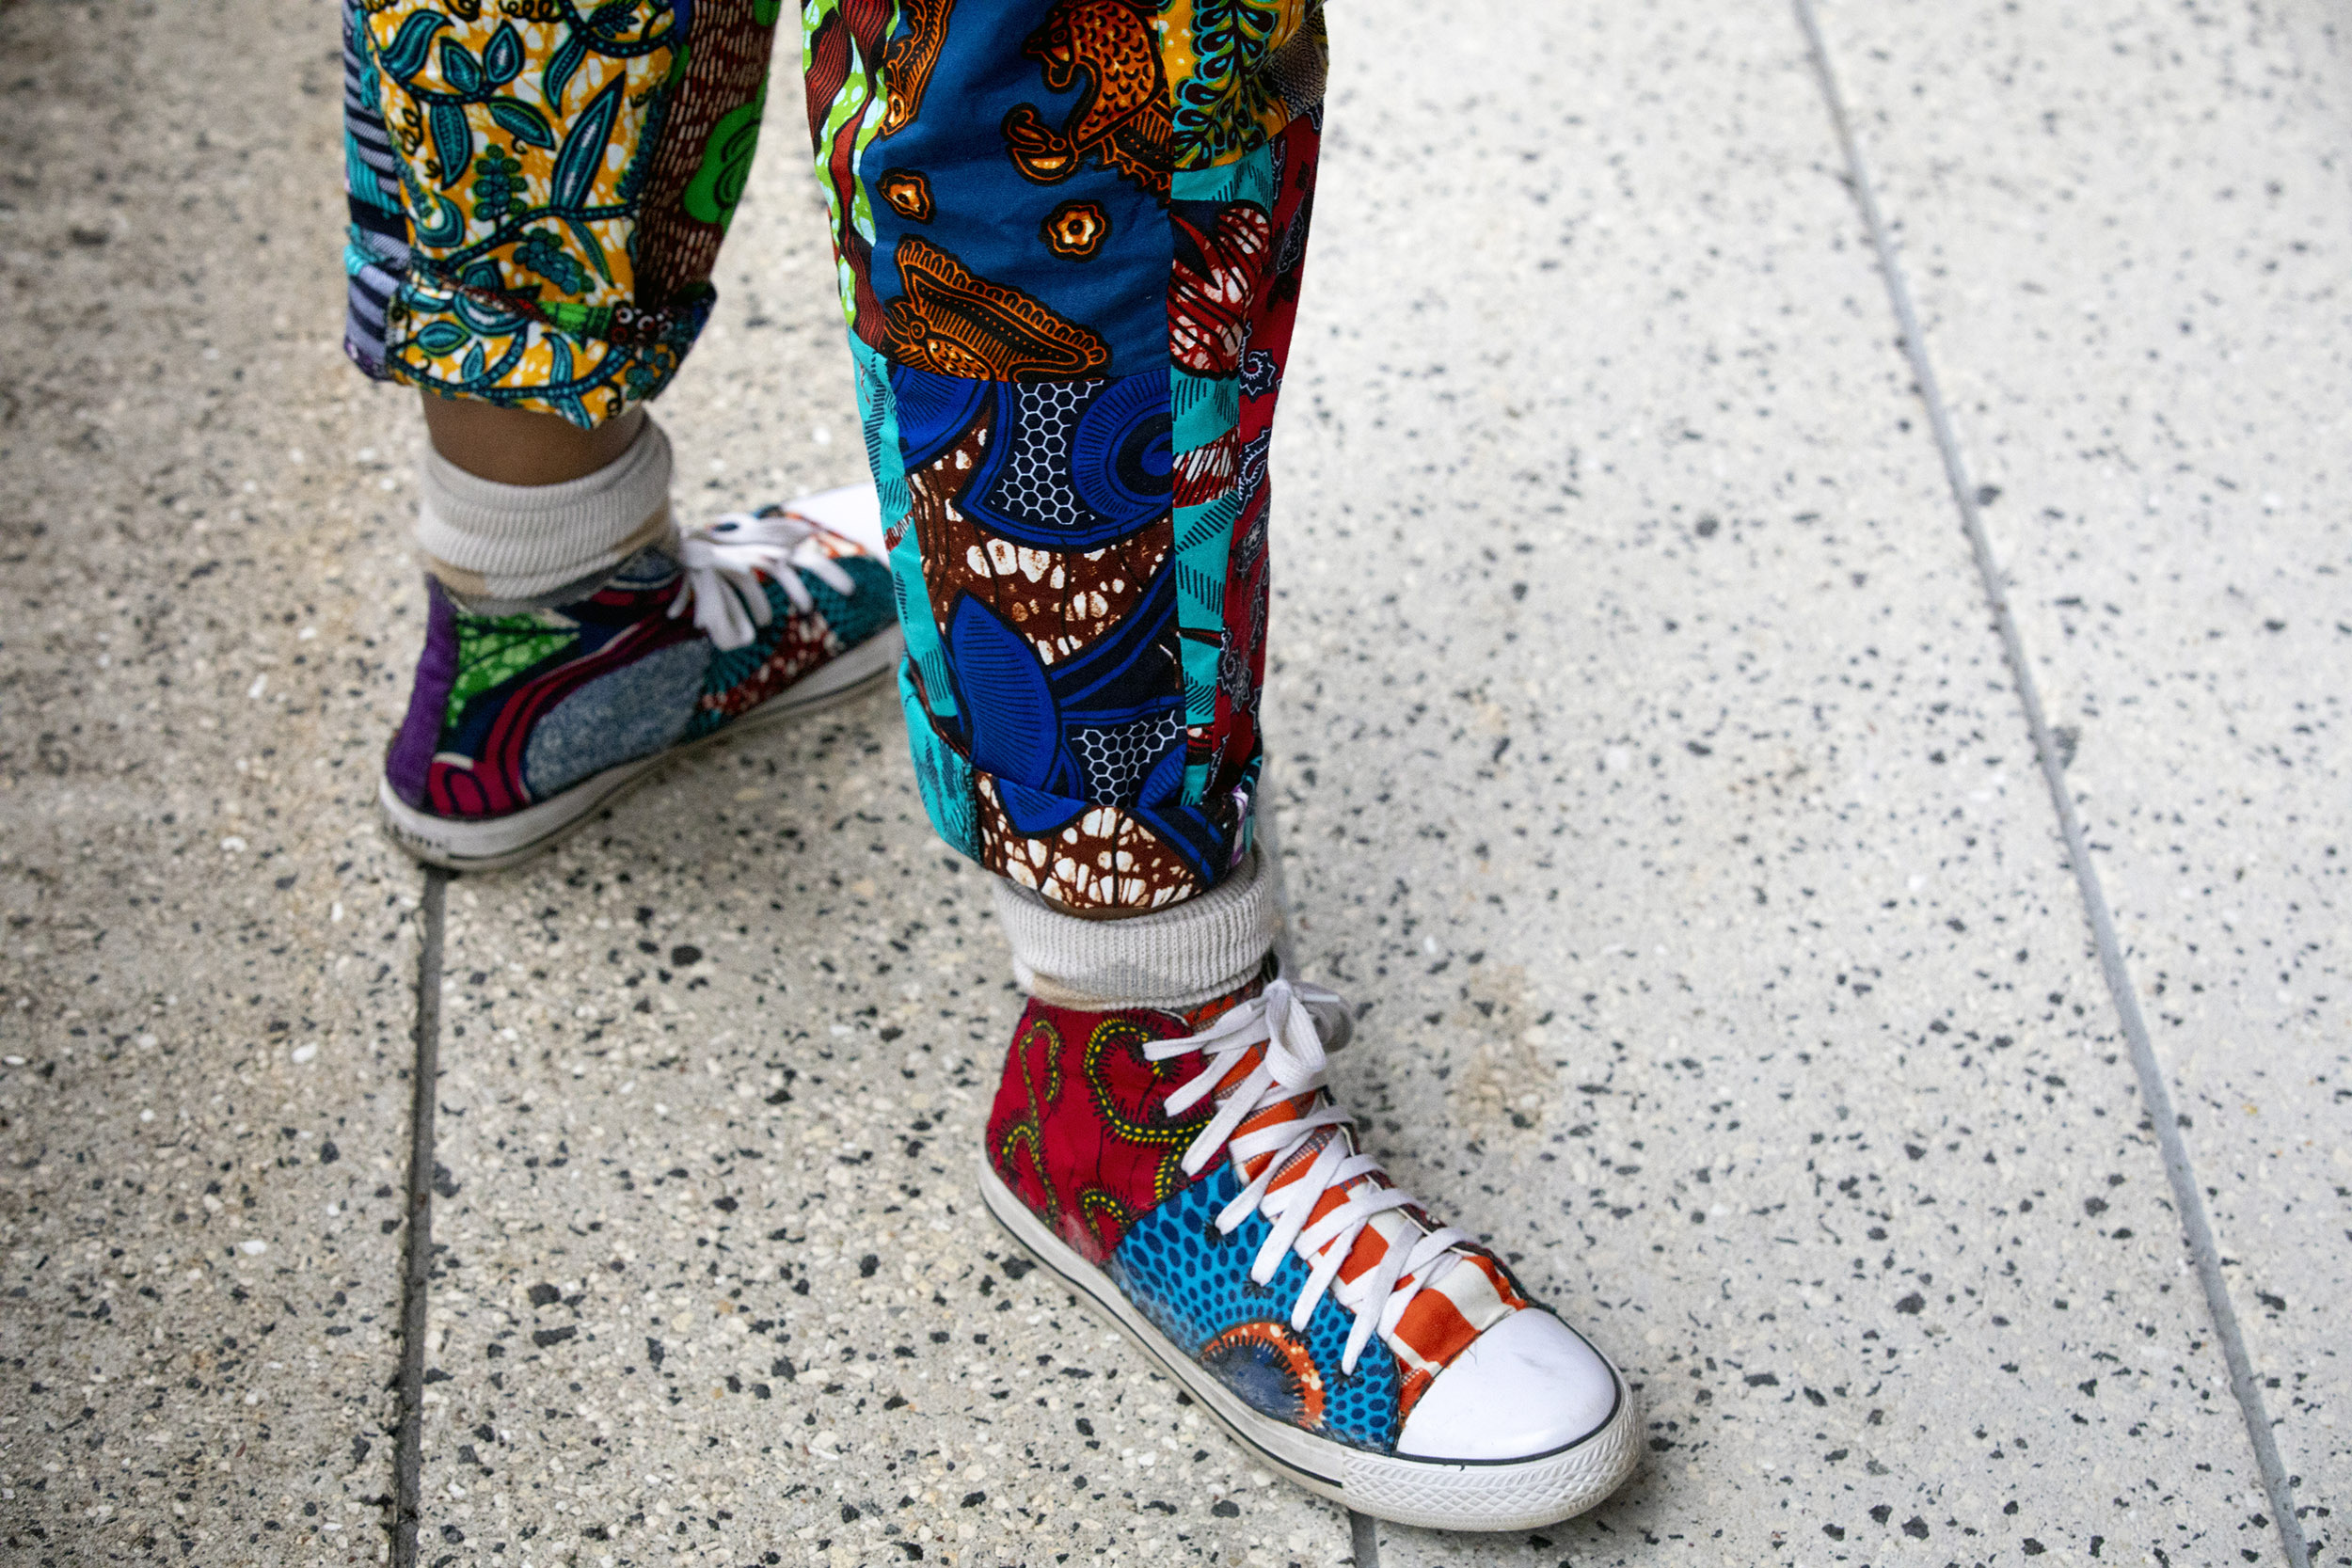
[[2163, 1119], [417, 1273]]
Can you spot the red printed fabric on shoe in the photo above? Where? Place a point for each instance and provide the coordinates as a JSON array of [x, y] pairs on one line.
[[1078, 1131]]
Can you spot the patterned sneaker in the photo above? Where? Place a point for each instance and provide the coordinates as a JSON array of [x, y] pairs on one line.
[[522, 726], [1192, 1175]]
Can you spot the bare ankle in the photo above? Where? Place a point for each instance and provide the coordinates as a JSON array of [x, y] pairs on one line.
[[515, 445]]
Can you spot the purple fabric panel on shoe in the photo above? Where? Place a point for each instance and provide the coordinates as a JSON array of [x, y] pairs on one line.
[[411, 756]]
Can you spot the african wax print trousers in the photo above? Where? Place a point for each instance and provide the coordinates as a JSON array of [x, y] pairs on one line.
[[1069, 237]]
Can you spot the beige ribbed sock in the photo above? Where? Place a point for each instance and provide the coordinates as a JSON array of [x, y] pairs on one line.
[[518, 544], [1181, 957]]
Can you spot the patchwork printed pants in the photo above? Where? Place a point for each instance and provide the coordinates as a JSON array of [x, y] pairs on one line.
[[1069, 236]]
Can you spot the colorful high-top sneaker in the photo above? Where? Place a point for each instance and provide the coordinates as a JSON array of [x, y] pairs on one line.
[[522, 724], [1193, 1178]]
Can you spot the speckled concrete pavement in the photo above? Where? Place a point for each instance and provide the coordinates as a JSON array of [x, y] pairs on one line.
[[1648, 762]]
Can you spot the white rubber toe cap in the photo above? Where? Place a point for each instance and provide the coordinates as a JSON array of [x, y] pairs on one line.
[[1526, 1386]]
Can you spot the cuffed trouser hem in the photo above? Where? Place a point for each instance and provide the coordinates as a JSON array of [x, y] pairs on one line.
[[1106, 857], [1080, 854], [536, 199], [587, 364]]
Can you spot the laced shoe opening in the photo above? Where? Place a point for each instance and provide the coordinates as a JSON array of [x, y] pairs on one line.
[[726, 560], [1366, 1241]]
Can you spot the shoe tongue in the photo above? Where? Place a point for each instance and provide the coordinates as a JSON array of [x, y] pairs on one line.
[[1294, 1163]]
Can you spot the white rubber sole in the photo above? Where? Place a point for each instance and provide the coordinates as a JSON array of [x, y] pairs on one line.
[[490, 844], [1502, 1494]]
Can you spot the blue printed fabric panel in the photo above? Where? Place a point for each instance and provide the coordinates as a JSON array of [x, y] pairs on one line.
[[1195, 1286]]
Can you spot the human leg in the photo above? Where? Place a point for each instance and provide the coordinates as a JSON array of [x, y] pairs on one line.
[[537, 194], [1070, 239]]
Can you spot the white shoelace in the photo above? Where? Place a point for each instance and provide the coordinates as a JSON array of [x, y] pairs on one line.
[[1289, 1021], [726, 560]]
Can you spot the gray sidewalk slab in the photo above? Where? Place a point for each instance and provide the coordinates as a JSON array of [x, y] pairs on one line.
[[207, 957], [2126, 228], [1649, 769]]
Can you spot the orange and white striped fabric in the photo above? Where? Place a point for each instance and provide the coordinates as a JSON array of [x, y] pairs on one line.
[[1445, 1316]]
